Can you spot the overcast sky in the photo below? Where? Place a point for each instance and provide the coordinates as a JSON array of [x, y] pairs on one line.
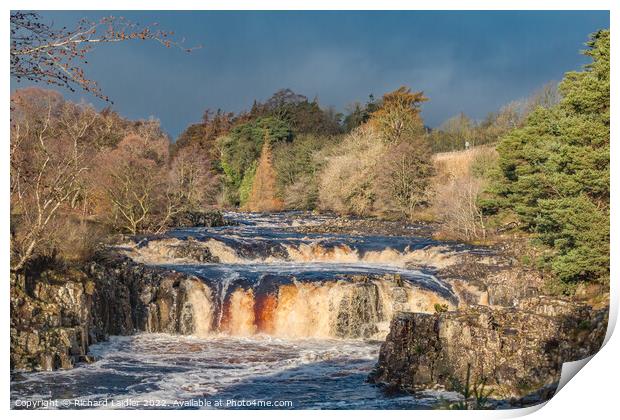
[[470, 62]]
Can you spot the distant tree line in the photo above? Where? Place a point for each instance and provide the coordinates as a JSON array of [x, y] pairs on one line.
[[460, 132]]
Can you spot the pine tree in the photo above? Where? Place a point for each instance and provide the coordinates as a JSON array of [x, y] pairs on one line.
[[263, 196], [555, 171]]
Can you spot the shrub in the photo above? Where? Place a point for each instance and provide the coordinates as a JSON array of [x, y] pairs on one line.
[[347, 182], [303, 194], [404, 181], [460, 180], [383, 167]]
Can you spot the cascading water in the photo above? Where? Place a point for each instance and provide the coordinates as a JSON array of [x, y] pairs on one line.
[[274, 314], [267, 279]]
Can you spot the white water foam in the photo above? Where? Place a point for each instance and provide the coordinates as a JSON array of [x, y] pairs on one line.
[[310, 373]]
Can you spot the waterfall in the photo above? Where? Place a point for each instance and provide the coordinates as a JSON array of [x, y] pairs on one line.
[[224, 253], [303, 251], [356, 308], [261, 278], [199, 297], [239, 317]]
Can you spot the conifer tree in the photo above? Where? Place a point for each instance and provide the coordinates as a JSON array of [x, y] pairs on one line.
[[555, 171], [263, 196]]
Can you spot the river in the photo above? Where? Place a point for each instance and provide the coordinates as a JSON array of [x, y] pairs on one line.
[[287, 318]]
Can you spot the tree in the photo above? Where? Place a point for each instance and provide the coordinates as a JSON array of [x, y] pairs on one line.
[[384, 166], [359, 114], [133, 178], [41, 53], [405, 181], [297, 164], [547, 96], [302, 115], [78, 174], [555, 171], [398, 117], [242, 146], [194, 134], [454, 134], [283, 98], [263, 196], [348, 180], [192, 180], [459, 131], [47, 164]]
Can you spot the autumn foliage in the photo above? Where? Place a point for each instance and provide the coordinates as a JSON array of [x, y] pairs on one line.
[[263, 196], [398, 117], [384, 166], [78, 175]]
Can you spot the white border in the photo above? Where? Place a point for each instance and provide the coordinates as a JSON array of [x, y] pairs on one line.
[[592, 395]]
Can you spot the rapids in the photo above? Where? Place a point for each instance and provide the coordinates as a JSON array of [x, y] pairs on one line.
[[278, 315], [261, 276], [159, 370]]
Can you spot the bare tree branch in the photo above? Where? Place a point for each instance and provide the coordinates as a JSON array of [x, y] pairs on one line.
[[41, 53]]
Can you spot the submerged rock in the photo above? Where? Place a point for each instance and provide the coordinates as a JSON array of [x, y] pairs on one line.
[[194, 251]]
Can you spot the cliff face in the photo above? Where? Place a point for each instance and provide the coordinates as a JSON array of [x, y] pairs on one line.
[[132, 297], [54, 322], [50, 322], [518, 350]]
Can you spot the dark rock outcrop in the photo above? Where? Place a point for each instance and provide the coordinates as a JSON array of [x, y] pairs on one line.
[[518, 350], [50, 324], [191, 249], [491, 279], [53, 324], [132, 297]]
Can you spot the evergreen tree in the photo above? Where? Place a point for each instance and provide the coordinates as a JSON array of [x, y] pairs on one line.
[[263, 196], [555, 171], [242, 147]]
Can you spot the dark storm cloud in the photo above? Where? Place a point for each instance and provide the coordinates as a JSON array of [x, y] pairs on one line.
[[464, 61]]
